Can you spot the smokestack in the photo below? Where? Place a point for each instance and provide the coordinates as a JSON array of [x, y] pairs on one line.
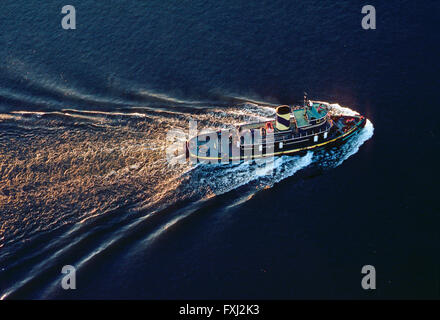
[[282, 121]]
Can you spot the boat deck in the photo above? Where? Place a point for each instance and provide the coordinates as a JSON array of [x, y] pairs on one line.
[[303, 117], [300, 118], [314, 113]]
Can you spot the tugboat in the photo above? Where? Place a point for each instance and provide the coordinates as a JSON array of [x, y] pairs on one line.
[[295, 130]]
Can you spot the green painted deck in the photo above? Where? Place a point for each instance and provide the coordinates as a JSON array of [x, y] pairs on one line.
[[300, 119], [312, 113]]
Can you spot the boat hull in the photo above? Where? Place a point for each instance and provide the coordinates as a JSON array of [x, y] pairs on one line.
[[343, 128]]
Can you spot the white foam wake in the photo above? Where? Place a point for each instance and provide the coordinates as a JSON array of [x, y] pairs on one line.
[[214, 180]]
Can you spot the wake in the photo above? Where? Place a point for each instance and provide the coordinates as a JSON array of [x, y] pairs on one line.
[[73, 168]]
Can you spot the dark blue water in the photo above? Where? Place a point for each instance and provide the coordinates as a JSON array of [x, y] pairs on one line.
[[84, 179]]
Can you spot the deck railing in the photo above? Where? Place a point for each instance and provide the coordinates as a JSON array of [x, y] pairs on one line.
[[292, 136]]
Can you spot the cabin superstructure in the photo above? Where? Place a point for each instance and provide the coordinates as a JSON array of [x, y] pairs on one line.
[[294, 122]]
